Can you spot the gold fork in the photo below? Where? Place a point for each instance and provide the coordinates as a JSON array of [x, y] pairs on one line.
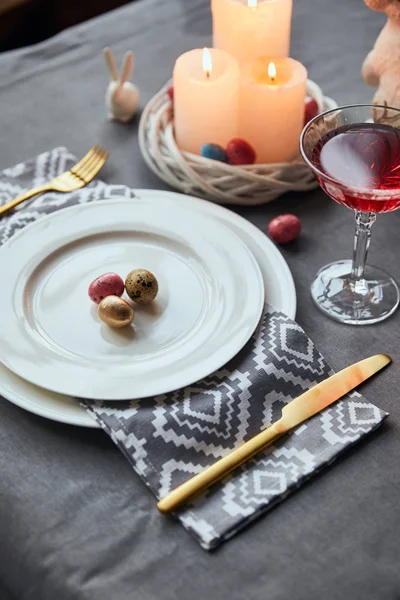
[[78, 176]]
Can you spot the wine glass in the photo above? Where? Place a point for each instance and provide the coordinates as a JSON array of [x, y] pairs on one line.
[[354, 152]]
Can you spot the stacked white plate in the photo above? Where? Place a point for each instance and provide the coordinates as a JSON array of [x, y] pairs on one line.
[[215, 272]]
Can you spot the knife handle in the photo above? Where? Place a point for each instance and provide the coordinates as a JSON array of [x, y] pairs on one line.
[[200, 482]]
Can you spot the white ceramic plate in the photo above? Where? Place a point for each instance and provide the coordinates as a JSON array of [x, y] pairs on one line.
[[279, 292], [211, 296]]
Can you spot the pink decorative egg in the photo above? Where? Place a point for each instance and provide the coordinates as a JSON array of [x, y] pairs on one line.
[[284, 229], [109, 284], [240, 152], [170, 92], [311, 109]]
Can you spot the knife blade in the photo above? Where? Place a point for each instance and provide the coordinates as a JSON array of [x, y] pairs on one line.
[[293, 414]]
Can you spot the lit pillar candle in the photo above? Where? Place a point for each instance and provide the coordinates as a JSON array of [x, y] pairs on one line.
[[206, 99], [248, 29], [271, 112]]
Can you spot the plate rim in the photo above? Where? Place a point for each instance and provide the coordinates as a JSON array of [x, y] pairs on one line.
[[81, 419], [91, 217], [291, 309]]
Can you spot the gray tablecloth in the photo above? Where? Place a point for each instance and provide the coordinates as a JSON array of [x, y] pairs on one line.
[[75, 522]]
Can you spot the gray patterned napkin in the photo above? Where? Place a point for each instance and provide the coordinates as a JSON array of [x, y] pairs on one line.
[[171, 437], [37, 171]]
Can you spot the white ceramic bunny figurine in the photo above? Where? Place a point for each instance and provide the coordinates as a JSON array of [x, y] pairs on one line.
[[122, 97]]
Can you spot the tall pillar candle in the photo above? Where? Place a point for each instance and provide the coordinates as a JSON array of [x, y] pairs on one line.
[[248, 29], [206, 99], [271, 110]]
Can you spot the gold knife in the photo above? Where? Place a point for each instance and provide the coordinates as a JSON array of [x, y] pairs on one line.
[[295, 413]]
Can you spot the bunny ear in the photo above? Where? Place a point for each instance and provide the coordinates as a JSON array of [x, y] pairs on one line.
[[111, 64], [127, 67]]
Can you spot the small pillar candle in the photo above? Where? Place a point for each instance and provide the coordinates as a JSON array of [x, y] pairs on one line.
[[206, 99], [248, 29], [271, 113]]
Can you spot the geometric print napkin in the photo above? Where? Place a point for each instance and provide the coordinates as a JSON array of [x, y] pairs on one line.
[[37, 171], [171, 437]]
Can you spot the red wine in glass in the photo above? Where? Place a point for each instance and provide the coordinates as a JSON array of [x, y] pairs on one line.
[[354, 152], [363, 158]]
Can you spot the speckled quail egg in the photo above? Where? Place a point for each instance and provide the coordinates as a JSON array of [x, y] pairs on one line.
[[141, 286]]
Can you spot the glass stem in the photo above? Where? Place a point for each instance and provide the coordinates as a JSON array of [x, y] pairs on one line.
[[362, 240]]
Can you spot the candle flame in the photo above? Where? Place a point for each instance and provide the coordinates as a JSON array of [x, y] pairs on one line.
[[207, 62], [272, 71], [252, 3]]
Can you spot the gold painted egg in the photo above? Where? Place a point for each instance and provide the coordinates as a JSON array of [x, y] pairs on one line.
[[141, 286], [115, 312]]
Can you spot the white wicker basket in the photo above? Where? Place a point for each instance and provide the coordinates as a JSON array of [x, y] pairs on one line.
[[210, 179]]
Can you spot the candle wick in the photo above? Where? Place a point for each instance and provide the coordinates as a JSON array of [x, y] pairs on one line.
[[208, 74]]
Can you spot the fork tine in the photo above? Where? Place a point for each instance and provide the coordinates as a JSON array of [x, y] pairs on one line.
[[91, 164], [87, 157], [97, 166], [90, 170], [83, 169], [85, 160], [93, 158]]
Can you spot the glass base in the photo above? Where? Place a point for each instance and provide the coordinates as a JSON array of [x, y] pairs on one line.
[[372, 300]]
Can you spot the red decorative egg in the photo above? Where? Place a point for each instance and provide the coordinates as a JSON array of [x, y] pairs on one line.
[[240, 152], [170, 92], [108, 284], [284, 229], [311, 109]]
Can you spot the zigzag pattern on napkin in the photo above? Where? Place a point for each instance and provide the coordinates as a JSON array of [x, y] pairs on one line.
[[171, 437]]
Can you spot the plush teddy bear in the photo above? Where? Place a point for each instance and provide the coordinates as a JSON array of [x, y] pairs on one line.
[[382, 65]]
